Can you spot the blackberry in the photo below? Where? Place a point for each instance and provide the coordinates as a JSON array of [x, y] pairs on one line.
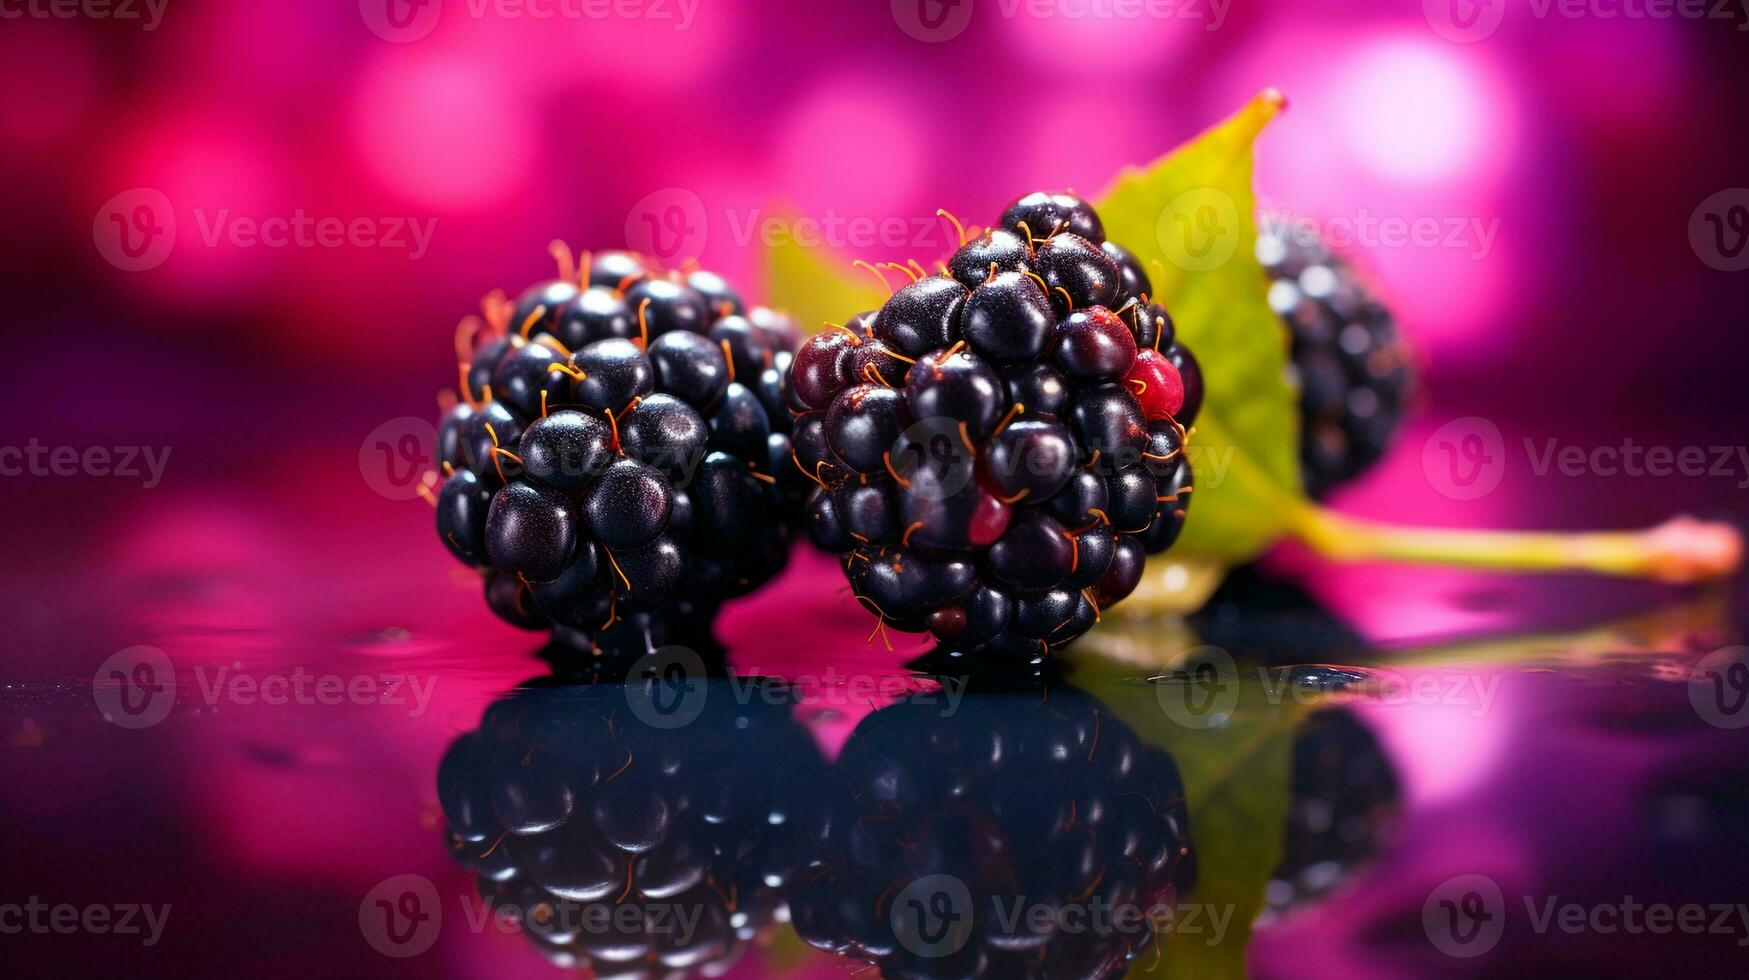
[[624, 846], [1020, 417], [1349, 360], [1036, 797], [1345, 797], [620, 456]]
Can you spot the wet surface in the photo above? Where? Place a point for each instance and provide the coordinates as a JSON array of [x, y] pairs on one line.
[[1263, 786]]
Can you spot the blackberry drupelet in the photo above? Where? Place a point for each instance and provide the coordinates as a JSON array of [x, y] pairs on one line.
[[600, 832], [1036, 796], [997, 447], [1349, 360], [620, 457]]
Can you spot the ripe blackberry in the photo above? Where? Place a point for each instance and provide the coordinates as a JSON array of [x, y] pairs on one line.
[[624, 846], [1345, 797], [995, 447], [1349, 360], [620, 455], [1032, 798]]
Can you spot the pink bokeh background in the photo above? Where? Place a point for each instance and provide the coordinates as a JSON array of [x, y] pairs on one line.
[[1581, 147]]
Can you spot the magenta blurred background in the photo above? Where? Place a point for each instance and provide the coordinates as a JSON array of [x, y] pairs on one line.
[[1570, 155]]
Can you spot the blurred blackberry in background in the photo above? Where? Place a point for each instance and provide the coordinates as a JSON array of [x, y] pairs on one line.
[[998, 447], [620, 453], [625, 847], [1350, 362], [1345, 798], [1032, 798]]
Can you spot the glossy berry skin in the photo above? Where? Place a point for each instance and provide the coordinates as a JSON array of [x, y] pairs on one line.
[[1108, 420], [1092, 345], [1156, 385], [462, 504], [541, 305], [664, 432], [484, 361], [1130, 500], [824, 525], [566, 450], [1039, 388], [691, 368], [1033, 554], [615, 270], [1008, 445], [738, 423], [1082, 501], [1190, 375], [1128, 561], [822, 367], [1078, 273], [952, 514], [863, 425], [868, 512], [1030, 459], [629, 505], [489, 427], [452, 435], [719, 296], [1150, 324], [999, 247], [1045, 213], [647, 487], [597, 313], [958, 386], [921, 317], [728, 504], [523, 378], [1008, 318], [615, 372], [667, 306], [1133, 282], [531, 532]]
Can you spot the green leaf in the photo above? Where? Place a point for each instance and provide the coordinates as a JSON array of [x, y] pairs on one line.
[[814, 289], [1238, 785], [1190, 218]]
